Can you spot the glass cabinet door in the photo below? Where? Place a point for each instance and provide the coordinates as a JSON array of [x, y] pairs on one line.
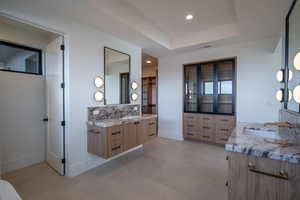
[[190, 89], [225, 79], [207, 88]]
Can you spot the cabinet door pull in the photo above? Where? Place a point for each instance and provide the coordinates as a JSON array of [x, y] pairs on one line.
[[115, 148], [191, 126], [136, 122], [205, 127], [282, 175], [190, 134], [116, 133], [226, 184], [152, 123], [224, 129], [227, 157], [206, 118], [151, 134], [204, 136], [224, 120]]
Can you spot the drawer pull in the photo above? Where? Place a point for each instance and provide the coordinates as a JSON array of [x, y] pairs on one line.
[[152, 123], [227, 157], [226, 184], [206, 118], [190, 117], [116, 133], [205, 127], [282, 175], [224, 120], [115, 148], [204, 136], [191, 126], [136, 122], [190, 134], [152, 134], [223, 139], [95, 131], [224, 129]]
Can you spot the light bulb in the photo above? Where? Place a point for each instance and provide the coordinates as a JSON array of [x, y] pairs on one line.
[[290, 75], [99, 96], [279, 95], [297, 61], [296, 94], [280, 76], [99, 82]]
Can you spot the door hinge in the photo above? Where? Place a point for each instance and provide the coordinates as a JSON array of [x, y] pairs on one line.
[[62, 85], [63, 123], [45, 119], [63, 161], [62, 47]]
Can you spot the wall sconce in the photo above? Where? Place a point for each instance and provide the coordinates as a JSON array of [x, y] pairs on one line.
[[280, 75], [134, 96], [297, 61], [99, 96], [134, 85], [279, 95], [296, 94], [99, 82]]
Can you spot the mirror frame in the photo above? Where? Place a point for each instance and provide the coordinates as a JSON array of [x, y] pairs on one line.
[[286, 56], [129, 81]]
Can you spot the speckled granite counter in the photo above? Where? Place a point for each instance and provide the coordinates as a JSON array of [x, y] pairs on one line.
[[124, 120], [286, 148]]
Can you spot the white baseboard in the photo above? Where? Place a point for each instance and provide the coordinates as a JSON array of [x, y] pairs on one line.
[[24, 161], [79, 168]]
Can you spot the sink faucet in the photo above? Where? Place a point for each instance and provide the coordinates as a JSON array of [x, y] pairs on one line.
[[282, 124]]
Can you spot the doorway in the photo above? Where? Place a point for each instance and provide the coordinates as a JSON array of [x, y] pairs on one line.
[[149, 84], [32, 97]]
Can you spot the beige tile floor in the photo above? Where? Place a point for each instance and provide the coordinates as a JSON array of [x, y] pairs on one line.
[[164, 170]]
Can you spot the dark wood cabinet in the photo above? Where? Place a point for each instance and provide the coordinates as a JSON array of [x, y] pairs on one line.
[[210, 87]]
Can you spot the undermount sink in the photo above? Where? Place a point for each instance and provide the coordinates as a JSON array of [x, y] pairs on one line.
[[262, 133]]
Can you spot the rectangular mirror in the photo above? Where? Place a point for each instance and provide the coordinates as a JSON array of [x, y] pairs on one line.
[[117, 76], [293, 49]]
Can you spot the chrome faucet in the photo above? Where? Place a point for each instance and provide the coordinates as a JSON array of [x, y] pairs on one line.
[[282, 124]]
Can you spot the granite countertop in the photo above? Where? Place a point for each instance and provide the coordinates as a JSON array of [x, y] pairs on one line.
[[284, 148], [124, 120]]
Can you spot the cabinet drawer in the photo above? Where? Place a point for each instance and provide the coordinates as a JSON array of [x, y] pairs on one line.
[[225, 121], [207, 137], [115, 133], [115, 150]]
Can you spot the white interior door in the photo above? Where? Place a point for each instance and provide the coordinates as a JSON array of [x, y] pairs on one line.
[[54, 78]]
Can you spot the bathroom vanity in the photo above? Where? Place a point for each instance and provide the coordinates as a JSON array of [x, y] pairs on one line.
[[264, 163], [115, 129]]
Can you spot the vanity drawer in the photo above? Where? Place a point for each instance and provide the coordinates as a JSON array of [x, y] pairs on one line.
[[115, 150], [115, 133], [151, 125]]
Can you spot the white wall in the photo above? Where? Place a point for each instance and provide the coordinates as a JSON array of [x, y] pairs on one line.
[[257, 65], [84, 61], [22, 107]]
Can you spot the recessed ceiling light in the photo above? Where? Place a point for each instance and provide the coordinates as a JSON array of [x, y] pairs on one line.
[[189, 17], [148, 61]]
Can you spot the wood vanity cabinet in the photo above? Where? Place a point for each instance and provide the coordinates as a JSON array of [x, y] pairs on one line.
[[110, 141], [257, 178], [209, 128]]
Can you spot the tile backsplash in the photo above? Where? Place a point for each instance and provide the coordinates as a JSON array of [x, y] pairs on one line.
[[113, 111]]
